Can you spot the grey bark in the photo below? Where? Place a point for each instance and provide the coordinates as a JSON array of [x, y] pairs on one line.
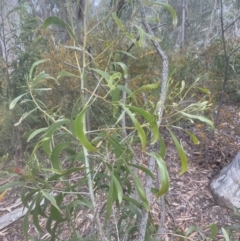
[[151, 160], [226, 186], [10, 29], [184, 7]]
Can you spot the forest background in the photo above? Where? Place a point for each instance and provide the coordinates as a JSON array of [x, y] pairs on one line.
[[91, 90]]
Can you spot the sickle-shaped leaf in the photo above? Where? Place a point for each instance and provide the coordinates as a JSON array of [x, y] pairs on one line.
[[79, 131], [204, 90], [34, 133], [162, 146], [225, 234], [49, 132], [118, 21], [51, 199], [34, 65], [117, 186], [57, 21], [163, 174], [145, 87], [150, 118], [15, 101], [142, 168], [55, 154], [127, 53], [193, 137], [170, 9], [124, 67], [181, 153], [138, 127], [35, 213], [25, 115], [127, 90], [110, 201], [39, 77], [104, 74], [140, 189], [201, 118], [65, 74]]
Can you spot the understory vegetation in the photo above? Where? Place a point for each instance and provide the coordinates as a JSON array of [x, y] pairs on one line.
[[87, 104]]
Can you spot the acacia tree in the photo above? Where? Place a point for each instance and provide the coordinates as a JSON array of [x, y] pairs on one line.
[[100, 172]]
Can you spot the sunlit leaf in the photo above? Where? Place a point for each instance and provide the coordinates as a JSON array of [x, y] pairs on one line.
[[204, 90], [3, 194], [225, 234], [182, 86], [181, 153], [193, 137]]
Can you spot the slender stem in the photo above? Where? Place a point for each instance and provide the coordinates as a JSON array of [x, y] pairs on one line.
[[84, 101]]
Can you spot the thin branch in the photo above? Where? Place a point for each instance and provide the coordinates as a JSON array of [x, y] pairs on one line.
[[231, 24]]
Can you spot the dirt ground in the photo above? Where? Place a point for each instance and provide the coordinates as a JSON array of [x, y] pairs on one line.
[[189, 201]]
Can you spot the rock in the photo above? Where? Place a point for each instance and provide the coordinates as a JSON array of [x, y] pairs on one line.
[[225, 186]]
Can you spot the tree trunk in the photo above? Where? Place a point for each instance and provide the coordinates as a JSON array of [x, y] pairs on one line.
[[184, 5], [226, 186], [9, 20]]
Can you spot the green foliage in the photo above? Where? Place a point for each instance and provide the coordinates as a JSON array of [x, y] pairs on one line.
[[75, 170]]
